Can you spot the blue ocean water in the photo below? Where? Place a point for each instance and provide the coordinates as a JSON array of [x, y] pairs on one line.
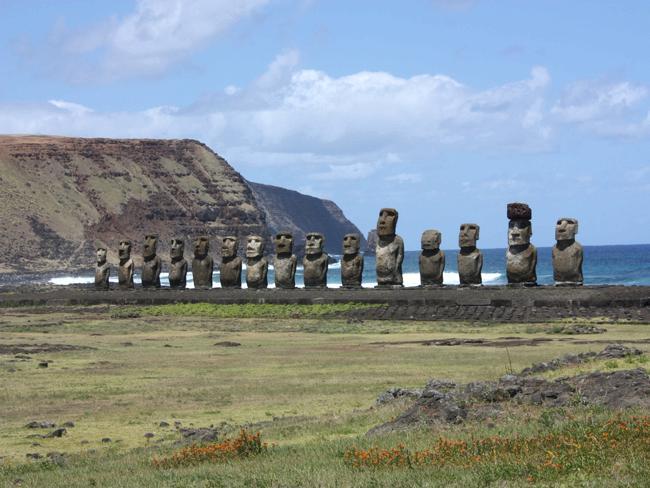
[[603, 265]]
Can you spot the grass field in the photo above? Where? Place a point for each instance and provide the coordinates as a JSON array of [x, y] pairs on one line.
[[306, 382]]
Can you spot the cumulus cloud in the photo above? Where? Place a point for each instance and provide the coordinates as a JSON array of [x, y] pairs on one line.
[[606, 108], [349, 127], [154, 37]]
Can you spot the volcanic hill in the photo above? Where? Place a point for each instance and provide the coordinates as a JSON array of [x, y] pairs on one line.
[[63, 196]]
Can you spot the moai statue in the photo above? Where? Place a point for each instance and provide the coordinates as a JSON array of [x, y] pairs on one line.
[[102, 270], [152, 263], [125, 269], [284, 262], [178, 268], [521, 257], [352, 262], [256, 264], [389, 252], [202, 264], [230, 270], [567, 254], [432, 259], [315, 261], [470, 258]]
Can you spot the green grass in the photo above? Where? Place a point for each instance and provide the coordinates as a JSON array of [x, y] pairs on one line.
[[308, 382]]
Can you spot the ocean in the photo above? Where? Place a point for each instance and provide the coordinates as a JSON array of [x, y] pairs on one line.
[[603, 265]]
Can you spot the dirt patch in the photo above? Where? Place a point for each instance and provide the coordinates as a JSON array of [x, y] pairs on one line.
[[40, 348]]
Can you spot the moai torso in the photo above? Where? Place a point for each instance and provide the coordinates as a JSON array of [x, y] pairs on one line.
[[178, 274], [178, 267], [202, 264], [521, 256], [231, 264], [470, 265], [352, 262], [256, 264], [567, 254], [470, 259], [125, 268], [432, 259], [315, 262], [389, 252], [284, 263], [256, 273], [284, 266], [102, 270], [521, 265], [230, 272]]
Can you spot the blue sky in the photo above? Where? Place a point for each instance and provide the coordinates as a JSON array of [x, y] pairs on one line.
[[443, 109]]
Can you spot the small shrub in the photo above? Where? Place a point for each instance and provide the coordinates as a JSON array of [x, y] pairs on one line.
[[243, 446]]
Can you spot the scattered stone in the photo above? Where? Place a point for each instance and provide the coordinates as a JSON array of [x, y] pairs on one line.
[[56, 457], [57, 433], [33, 455], [168, 345], [43, 424], [106, 440], [68, 424], [127, 344], [43, 364], [227, 344], [23, 357], [395, 393], [84, 442], [163, 424], [149, 435], [177, 423], [199, 435], [443, 401], [35, 444]]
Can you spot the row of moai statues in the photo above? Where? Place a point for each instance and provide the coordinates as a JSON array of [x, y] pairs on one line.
[[521, 256], [315, 263]]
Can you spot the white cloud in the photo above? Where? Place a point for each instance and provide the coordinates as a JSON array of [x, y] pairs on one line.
[[154, 37], [348, 127], [604, 108]]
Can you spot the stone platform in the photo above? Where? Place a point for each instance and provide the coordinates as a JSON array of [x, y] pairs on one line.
[[488, 303]]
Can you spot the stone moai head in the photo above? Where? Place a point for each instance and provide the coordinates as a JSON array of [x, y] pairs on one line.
[[283, 243], [150, 245], [101, 255], [520, 229], [314, 243], [124, 250], [229, 246], [177, 249], [387, 222], [566, 229], [431, 240], [201, 247], [351, 244], [255, 246], [468, 235]]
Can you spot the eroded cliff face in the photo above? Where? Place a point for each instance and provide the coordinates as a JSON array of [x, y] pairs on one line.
[[298, 213], [62, 196]]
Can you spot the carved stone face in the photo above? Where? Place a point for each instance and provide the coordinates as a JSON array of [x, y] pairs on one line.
[[150, 245], [283, 243], [566, 229], [177, 249], [229, 246], [314, 243], [387, 222], [124, 249], [519, 232], [101, 255], [431, 240], [254, 246], [468, 235], [351, 244], [201, 247]]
